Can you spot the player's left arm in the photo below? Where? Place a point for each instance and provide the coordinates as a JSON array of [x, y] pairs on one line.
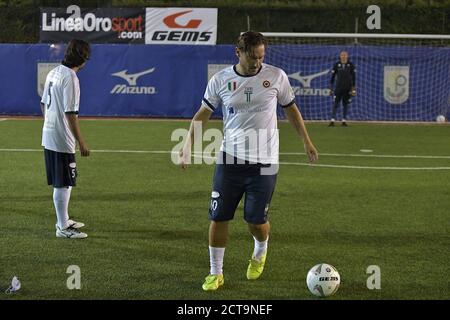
[[295, 118], [286, 98]]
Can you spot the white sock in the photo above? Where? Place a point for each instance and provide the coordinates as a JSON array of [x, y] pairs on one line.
[[260, 249], [216, 260], [61, 197]]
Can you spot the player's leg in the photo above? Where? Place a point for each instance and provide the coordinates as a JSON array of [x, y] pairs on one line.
[[218, 234], [260, 233], [346, 99], [257, 201], [337, 98], [61, 173], [61, 198], [225, 197]]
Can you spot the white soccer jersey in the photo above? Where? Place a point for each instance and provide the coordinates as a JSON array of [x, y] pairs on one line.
[[61, 95], [249, 106]]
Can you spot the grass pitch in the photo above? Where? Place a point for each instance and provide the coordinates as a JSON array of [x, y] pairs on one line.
[[147, 219]]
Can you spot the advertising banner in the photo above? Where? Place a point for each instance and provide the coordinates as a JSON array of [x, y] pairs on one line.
[[101, 25], [181, 26]]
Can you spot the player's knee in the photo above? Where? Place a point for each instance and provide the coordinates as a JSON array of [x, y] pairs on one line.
[[258, 227]]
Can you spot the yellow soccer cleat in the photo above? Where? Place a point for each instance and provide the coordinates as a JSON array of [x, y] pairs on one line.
[[255, 268], [213, 282]]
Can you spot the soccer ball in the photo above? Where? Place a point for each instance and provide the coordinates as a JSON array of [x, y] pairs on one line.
[[440, 118], [323, 280]]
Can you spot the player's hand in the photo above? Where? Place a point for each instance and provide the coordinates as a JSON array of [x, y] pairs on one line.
[[84, 149], [311, 152], [184, 159]]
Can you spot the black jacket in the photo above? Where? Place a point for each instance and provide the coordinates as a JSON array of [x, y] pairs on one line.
[[344, 74]]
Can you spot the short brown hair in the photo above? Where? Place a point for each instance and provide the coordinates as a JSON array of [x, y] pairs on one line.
[[249, 40], [77, 53]]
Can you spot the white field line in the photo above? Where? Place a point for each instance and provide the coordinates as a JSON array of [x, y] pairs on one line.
[[369, 155], [352, 167], [363, 167], [286, 163], [281, 153]]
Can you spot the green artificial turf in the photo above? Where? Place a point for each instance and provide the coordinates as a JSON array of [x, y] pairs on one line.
[[147, 219]]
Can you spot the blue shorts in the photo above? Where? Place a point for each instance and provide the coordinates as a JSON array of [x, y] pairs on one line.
[[231, 182], [61, 169]]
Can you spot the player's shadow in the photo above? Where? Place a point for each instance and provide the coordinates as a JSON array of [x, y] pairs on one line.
[[174, 235], [132, 195]]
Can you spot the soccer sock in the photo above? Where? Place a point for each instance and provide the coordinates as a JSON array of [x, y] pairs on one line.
[[61, 197], [216, 260], [260, 249]]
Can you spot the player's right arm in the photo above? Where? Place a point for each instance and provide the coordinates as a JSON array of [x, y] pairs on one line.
[[200, 118], [333, 76], [210, 102]]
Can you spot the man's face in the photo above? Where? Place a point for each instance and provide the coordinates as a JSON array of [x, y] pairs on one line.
[[343, 56], [251, 61]]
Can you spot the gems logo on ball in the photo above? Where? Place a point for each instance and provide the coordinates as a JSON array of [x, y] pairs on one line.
[[323, 280]]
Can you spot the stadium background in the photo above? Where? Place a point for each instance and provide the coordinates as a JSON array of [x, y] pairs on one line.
[[379, 194]]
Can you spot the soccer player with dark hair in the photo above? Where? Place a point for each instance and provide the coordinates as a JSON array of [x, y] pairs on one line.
[[249, 93], [60, 104], [344, 73]]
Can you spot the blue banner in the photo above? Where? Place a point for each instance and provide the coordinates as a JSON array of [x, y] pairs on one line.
[[118, 80], [393, 83]]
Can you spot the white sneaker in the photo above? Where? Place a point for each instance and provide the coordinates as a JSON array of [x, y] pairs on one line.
[[73, 224], [70, 233]]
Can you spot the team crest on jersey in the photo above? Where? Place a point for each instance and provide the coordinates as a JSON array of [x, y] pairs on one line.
[[248, 91], [266, 84], [232, 86]]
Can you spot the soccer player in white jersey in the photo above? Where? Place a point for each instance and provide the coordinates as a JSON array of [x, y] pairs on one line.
[[60, 104], [248, 93]]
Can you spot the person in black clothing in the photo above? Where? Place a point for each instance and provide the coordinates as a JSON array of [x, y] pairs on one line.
[[344, 72]]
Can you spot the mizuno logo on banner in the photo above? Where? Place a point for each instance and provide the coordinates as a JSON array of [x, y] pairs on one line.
[[132, 79], [305, 81]]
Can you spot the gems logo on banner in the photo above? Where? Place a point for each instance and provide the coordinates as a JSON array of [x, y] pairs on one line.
[[396, 84], [181, 26]]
